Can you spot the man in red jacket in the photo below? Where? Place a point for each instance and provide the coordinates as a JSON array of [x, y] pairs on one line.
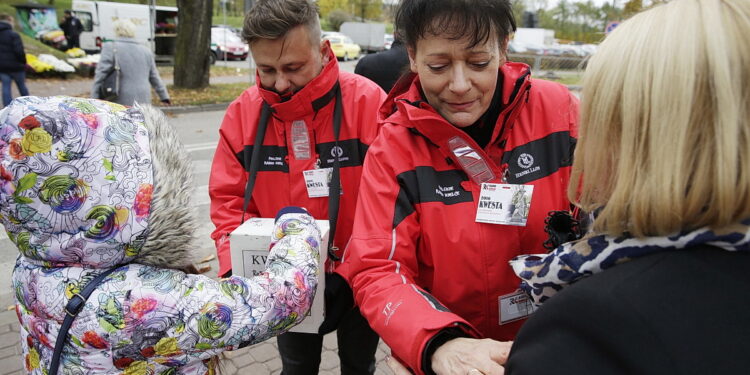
[[304, 122]]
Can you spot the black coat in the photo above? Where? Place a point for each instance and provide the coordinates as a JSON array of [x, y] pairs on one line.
[[12, 55], [677, 312], [385, 68], [71, 26]]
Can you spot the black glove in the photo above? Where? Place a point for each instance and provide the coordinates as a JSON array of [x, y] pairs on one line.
[[339, 301], [561, 228], [167, 102]]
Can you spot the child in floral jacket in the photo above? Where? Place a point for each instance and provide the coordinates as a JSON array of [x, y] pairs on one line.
[[87, 185]]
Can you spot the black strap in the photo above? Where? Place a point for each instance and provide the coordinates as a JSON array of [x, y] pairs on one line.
[[265, 113], [334, 191], [74, 306]]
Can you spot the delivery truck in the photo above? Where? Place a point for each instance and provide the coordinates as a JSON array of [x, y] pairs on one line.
[[156, 30], [369, 36]]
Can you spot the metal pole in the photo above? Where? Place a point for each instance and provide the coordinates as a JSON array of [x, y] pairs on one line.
[[224, 14], [152, 15]]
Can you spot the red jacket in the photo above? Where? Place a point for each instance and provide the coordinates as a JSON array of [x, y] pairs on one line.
[[417, 261], [279, 181]]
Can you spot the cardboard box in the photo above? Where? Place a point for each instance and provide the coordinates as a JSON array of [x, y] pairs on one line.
[[249, 246]]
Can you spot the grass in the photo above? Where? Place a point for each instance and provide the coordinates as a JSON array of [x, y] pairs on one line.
[[220, 93], [573, 78], [216, 71], [570, 80]]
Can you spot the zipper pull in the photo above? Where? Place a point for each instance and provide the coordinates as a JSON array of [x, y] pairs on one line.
[[471, 161], [300, 140]]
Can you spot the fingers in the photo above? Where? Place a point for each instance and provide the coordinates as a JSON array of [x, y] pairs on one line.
[[396, 366], [499, 350], [465, 356], [487, 367]]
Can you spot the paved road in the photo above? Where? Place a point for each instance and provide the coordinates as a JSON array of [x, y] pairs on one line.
[[199, 132], [82, 86]]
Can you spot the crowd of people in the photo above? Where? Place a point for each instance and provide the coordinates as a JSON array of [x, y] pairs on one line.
[[440, 200]]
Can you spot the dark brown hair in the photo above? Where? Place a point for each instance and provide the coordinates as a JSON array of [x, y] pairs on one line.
[[458, 19], [272, 19]]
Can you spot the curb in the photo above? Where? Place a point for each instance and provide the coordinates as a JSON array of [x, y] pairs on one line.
[[195, 108]]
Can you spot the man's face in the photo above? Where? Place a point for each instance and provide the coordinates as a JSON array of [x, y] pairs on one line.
[[287, 64]]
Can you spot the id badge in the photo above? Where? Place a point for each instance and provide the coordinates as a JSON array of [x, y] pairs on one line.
[[515, 306], [506, 204], [317, 181]]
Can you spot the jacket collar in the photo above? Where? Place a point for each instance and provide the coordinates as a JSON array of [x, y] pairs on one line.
[[315, 95], [405, 105]]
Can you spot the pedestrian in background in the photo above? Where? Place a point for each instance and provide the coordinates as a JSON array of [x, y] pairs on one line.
[[109, 188], [385, 67], [659, 286], [320, 121], [72, 28], [432, 237], [138, 71], [12, 60]]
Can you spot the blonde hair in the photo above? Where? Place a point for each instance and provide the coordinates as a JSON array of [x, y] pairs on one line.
[[124, 28], [664, 136]]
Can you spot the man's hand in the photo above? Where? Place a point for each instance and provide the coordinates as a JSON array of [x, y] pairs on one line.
[[466, 356]]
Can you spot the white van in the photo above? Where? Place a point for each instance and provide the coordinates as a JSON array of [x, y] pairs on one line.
[[157, 31]]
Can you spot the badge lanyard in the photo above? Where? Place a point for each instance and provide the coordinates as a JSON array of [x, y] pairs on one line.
[[335, 187]]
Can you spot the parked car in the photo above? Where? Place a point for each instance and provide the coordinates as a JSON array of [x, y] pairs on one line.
[[388, 41], [516, 47], [343, 46], [225, 43], [236, 30]]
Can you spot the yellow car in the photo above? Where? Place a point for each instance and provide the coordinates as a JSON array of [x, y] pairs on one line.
[[343, 46]]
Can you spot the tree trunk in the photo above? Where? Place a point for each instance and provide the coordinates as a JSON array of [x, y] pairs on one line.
[[191, 62]]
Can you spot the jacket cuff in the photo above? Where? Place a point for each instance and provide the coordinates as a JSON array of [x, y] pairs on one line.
[[435, 342], [290, 210]]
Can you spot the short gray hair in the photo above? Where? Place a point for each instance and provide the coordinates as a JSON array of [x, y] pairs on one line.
[[124, 28], [7, 18], [272, 19]]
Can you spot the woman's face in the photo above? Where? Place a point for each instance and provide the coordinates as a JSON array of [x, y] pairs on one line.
[[458, 81]]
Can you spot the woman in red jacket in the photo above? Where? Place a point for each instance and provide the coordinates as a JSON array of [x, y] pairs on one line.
[[472, 156]]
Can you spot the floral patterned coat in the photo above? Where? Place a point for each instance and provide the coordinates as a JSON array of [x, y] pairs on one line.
[[86, 185]]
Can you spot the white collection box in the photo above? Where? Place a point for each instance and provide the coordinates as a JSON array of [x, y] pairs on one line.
[[250, 244]]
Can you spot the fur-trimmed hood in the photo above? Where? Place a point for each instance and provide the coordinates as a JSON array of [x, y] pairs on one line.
[[87, 185], [94, 184]]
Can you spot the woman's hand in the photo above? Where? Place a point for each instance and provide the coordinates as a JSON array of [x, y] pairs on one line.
[[466, 356], [397, 367]]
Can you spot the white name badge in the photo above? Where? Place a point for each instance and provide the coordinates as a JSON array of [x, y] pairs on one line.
[[515, 306], [506, 204], [318, 182]]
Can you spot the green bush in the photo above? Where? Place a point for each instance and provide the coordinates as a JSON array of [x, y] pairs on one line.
[[337, 17]]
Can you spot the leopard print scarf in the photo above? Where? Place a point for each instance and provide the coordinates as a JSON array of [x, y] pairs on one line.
[[543, 275]]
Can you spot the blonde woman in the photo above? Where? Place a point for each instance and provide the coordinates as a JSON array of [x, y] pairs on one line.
[[663, 156], [137, 68]]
